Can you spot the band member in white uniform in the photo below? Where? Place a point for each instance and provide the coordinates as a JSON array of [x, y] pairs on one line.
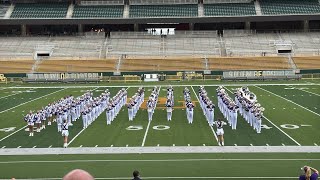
[[220, 131], [65, 133], [29, 119], [169, 105]]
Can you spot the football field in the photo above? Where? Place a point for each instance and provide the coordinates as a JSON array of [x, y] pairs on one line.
[[291, 118]]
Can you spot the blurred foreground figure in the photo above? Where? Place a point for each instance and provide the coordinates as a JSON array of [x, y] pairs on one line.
[[78, 174]]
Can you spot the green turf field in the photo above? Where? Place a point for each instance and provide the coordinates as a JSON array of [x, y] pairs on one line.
[[291, 118], [161, 166]]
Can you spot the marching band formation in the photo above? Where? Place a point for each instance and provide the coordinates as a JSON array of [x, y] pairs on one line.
[[152, 102], [69, 109], [134, 103], [250, 109]]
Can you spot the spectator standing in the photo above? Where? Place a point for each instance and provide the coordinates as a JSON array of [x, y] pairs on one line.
[[310, 173], [136, 175]]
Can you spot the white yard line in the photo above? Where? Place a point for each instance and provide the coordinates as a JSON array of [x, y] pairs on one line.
[[175, 177], [214, 133], [147, 130], [31, 101], [149, 160], [145, 134], [276, 126], [288, 100]]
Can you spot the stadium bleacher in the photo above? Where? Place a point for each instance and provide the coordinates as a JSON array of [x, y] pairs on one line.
[[40, 10], [274, 7], [181, 10], [229, 9], [110, 11]]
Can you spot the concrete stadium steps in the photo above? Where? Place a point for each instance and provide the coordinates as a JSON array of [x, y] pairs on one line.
[[16, 66], [312, 62], [191, 64], [77, 66], [248, 63]]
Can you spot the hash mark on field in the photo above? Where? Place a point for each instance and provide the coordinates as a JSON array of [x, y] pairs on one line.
[[251, 145], [315, 144], [50, 146], [267, 144], [283, 144], [173, 145], [127, 145], [158, 145], [3, 147], [111, 145], [235, 145], [204, 144], [188, 144], [34, 146], [96, 146], [273, 108], [80, 146], [19, 147], [284, 108]]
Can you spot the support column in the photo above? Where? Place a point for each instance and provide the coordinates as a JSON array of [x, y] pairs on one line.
[[136, 27], [23, 30], [306, 26], [247, 25], [80, 29], [191, 26]]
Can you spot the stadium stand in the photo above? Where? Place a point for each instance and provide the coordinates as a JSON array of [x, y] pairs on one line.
[[71, 47], [229, 9], [3, 10], [136, 44], [275, 7], [110, 11], [303, 43], [40, 10], [311, 62], [250, 44], [181, 10]]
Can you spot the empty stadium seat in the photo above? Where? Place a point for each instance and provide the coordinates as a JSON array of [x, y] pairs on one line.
[[40, 10], [115, 11], [273, 7], [229, 9], [183, 10]]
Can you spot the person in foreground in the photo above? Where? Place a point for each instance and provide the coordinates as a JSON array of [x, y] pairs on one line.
[[310, 173], [78, 174], [136, 175]]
